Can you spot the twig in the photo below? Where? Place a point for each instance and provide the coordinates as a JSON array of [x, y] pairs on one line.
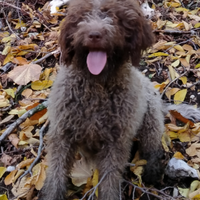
[[46, 56], [42, 133], [172, 82], [193, 84], [10, 26], [177, 44], [149, 193], [8, 4], [22, 119], [94, 188]]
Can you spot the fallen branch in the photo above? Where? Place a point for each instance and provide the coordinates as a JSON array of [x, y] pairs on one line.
[[42, 133], [144, 190], [22, 119], [46, 56]]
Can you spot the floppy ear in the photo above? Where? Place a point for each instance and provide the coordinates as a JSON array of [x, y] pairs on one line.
[[75, 14], [137, 32]]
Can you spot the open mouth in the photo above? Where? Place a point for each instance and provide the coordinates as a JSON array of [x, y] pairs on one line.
[[96, 61]]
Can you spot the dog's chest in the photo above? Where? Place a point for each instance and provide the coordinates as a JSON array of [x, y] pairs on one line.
[[93, 113]]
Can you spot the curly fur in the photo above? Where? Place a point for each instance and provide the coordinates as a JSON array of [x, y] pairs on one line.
[[101, 114]]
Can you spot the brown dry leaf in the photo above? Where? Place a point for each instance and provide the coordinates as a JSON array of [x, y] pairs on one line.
[[6, 159], [14, 139], [184, 62], [25, 163], [178, 116], [37, 115], [10, 177], [171, 92], [20, 61], [21, 189], [25, 73], [41, 177], [27, 93], [81, 171], [193, 149], [162, 85], [7, 119]]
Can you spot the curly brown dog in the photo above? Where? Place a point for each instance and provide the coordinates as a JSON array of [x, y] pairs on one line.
[[100, 101]]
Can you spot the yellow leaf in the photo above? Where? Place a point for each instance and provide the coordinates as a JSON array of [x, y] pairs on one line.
[[181, 9], [178, 155], [8, 58], [3, 197], [197, 25], [197, 66], [18, 112], [158, 54], [6, 39], [184, 192], [2, 171], [25, 73], [184, 137], [41, 85], [183, 79], [172, 72], [179, 48], [196, 197], [180, 96], [20, 24], [194, 185], [172, 135], [175, 63], [95, 180], [10, 92], [6, 50], [173, 4]]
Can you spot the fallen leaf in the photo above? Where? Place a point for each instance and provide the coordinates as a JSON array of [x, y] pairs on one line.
[[41, 85], [14, 139], [95, 180], [180, 96], [3, 197], [25, 73], [178, 155], [2, 171], [10, 177]]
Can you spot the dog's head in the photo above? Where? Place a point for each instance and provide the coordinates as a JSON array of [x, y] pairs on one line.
[[104, 33]]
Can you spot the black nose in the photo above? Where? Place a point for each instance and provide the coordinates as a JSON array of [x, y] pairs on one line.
[[95, 35]]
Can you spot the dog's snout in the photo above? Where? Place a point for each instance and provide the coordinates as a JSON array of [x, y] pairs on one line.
[[95, 36]]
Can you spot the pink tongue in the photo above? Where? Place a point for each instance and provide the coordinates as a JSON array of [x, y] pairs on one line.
[[96, 61]]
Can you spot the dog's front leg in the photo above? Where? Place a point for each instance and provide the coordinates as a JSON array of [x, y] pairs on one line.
[[150, 135], [111, 162], [60, 154]]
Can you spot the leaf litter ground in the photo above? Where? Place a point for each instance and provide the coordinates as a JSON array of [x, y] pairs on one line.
[[29, 57]]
